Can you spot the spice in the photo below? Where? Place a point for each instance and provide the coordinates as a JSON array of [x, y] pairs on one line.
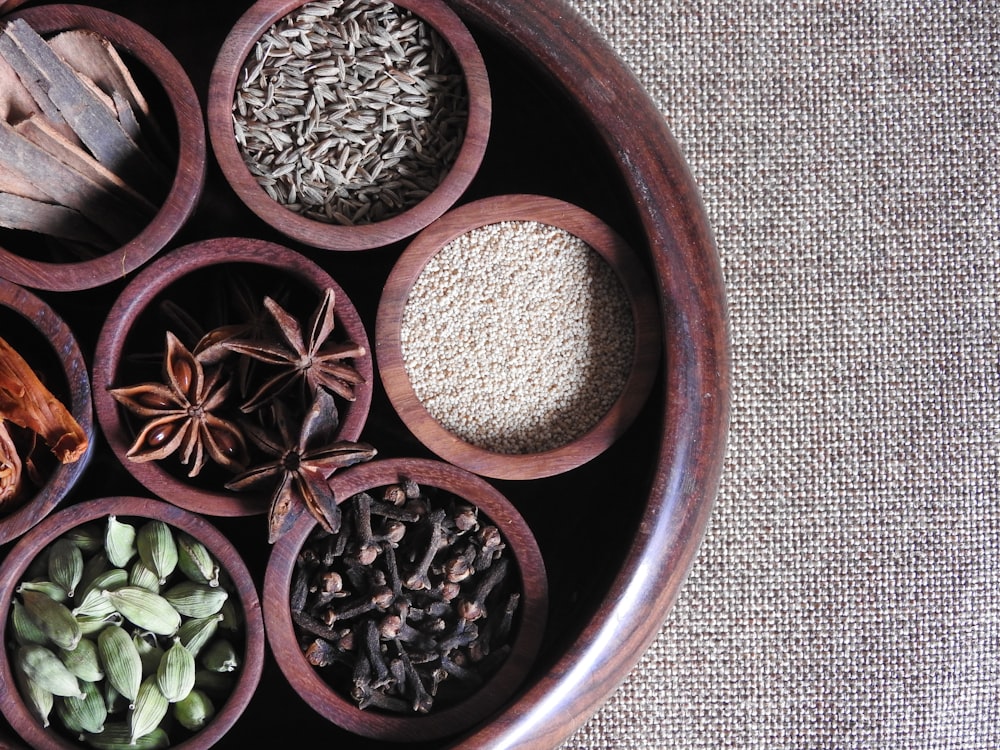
[[517, 337], [350, 112], [411, 605]]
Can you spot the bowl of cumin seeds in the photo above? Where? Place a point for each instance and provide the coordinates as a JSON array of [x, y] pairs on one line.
[[349, 124]]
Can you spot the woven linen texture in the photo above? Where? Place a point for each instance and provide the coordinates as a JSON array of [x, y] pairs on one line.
[[847, 594]]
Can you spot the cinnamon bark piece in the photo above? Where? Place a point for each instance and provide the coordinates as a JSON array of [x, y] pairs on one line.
[[50, 219]]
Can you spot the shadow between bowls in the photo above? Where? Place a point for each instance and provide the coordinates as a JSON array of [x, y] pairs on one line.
[[645, 353], [140, 295], [189, 176], [496, 691], [57, 336], [17, 562], [235, 50]]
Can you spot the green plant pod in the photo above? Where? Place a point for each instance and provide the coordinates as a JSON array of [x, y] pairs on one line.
[[175, 673], [145, 610], [119, 542], [86, 714], [193, 599], [24, 628], [65, 565], [44, 668], [150, 708], [39, 700], [88, 537], [197, 632], [195, 561], [52, 618], [220, 656], [121, 661], [83, 661], [118, 736], [157, 548], [195, 711]]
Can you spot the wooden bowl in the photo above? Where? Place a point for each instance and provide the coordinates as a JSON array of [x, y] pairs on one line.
[[645, 354], [498, 688], [41, 335], [196, 269], [235, 51], [135, 510], [189, 171]]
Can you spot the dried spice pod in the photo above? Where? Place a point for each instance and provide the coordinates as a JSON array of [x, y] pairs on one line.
[[396, 619]]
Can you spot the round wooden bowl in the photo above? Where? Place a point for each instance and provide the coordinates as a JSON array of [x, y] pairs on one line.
[[645, 358], [134, 510], [340, 709], [189, 170], [234, 52], [46, 334], [188, 265]]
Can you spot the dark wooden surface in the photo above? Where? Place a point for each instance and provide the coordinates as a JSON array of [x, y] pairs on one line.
[[617, 534]]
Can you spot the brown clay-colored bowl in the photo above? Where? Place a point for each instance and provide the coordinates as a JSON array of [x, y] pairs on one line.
[[234, 52], [42, 335], [498, 688], [189, 170], [645, 357], [197, 270], [135, 510]]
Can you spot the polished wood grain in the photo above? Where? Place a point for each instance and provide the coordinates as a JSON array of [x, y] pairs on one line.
[[229, 63], [188, 178], [341, 710], [599, 236], [135, 510], [48, 333], [227, 255]]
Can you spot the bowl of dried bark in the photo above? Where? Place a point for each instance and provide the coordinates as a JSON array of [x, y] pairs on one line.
[[232, 376], [517, 336], [127, 621], [349, 126], [46, 411], [102, 147], [421, 615]]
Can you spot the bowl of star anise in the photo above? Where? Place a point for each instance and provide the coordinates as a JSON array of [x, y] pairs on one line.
[[420, 615], [233, 377], [46, 413]]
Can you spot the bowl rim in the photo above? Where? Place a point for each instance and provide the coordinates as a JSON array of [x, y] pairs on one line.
[[645, 359], [453, 719], [234, 51], [59, 336], [136, 297], [24, 552], [189, 174]]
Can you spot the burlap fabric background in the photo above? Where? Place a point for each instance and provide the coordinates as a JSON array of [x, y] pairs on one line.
[[846, 595]]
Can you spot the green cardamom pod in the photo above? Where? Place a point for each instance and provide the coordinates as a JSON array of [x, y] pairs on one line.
[[144, 577], [118, 736], [89, 537], [39, 700], [94, 624], [232, 617], [24, 628], [220, 656], [175, 674], [92, 567], [194, 711], [83, 661], [115, 701], [43, 667], [119, 542], [195, 561], [121, 661], [54, 591], [149, 648], [86, 714], [52, 618], [196, 632], [219, 684], [65, 565], [150, 708], [93, 601], [145, 610], [157, 548], [194, 599]]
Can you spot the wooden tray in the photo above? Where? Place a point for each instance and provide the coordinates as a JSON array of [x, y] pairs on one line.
[[619, 533]]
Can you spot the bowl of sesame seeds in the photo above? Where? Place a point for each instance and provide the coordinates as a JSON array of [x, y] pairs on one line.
[[349, 124], [517, 336]]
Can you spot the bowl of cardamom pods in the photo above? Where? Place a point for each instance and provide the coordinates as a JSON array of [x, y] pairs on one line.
[[102, 147], [46, 411], [127, 622], [420, 615], [349, 125], [517, 336], [232, 376]]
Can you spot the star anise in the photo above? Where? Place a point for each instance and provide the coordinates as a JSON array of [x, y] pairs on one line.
[[179, 414], [302, 465], [313, 361]]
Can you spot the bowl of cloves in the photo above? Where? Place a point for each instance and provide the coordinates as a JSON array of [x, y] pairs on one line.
[[232, 377], [517, 336], [349, 125], [127, 622], [422, 614], [102, 147], [46, 411]]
